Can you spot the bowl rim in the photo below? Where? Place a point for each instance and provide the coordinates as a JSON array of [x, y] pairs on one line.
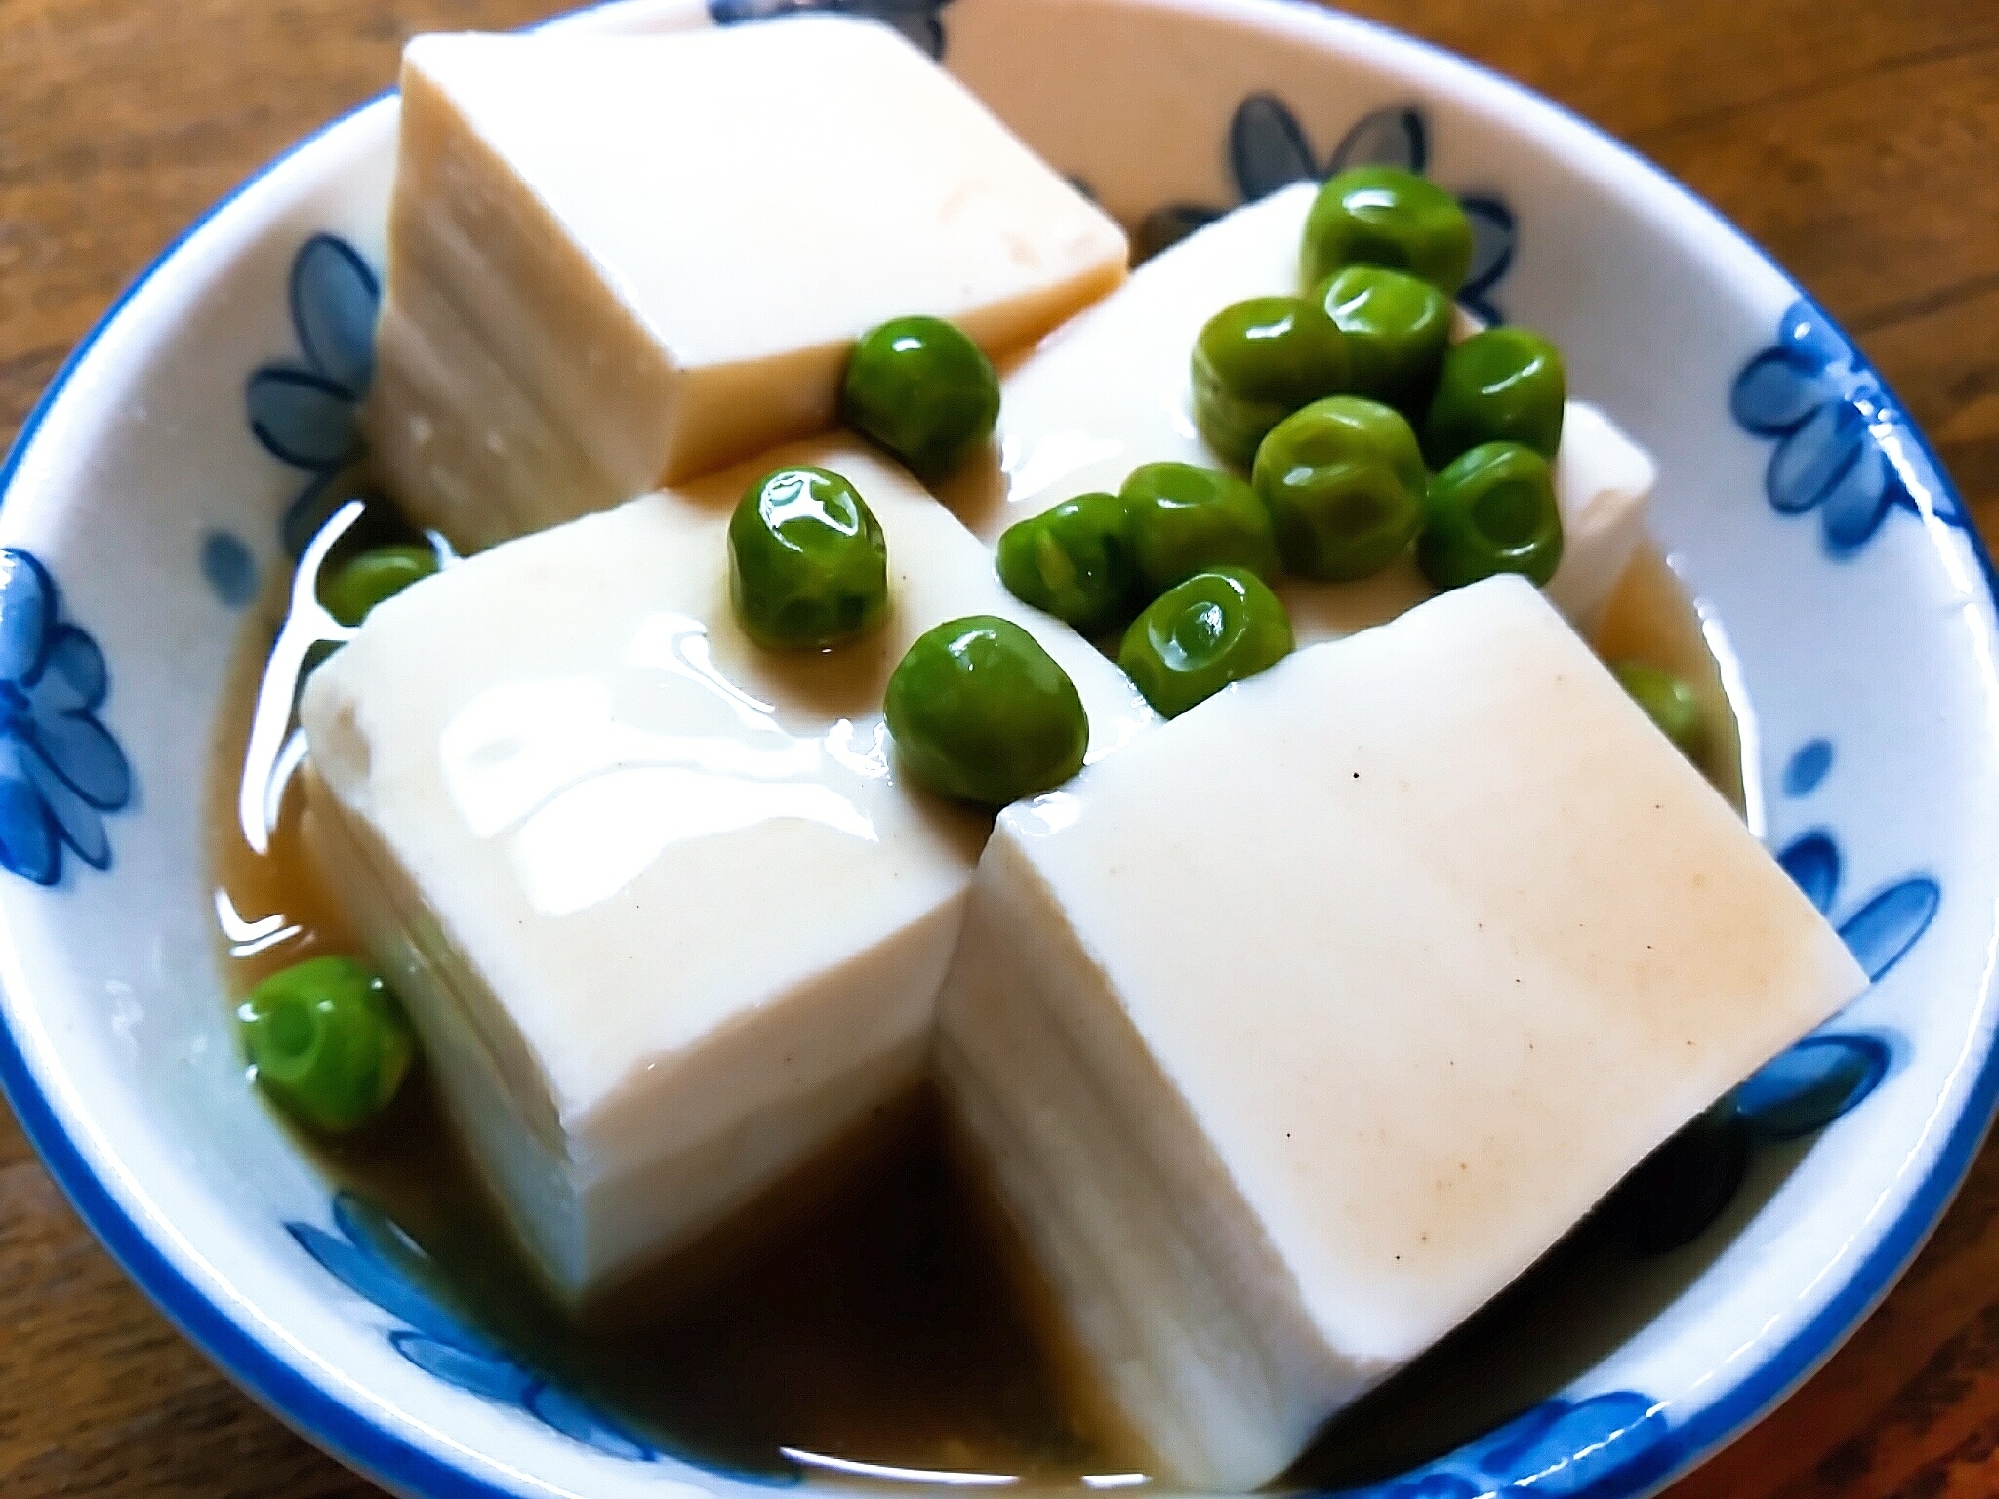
[[405, 1465]]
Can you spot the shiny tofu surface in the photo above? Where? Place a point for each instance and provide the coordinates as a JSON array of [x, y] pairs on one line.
[[664, 910]]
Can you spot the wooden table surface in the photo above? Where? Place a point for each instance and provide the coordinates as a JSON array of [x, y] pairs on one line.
[[1858, 140]]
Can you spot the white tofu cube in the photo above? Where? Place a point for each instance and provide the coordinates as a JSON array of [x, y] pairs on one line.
[[662, 911], [622, 261], [1298, 1030], [1111, 391]]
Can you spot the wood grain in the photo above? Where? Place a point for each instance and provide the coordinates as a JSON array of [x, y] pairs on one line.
[[1856, 140]]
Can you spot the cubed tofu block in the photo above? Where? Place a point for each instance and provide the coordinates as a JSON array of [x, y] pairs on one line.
[[618, 262], [662, 910], [1295, 1032], [1111, 391]]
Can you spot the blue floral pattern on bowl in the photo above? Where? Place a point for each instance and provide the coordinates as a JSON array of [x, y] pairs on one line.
[[306, 412], [1566, 1447], [1575, 1449], [60, 768], [1268, 149], [919, 20], [377, 1261], [1844, 447], [1828, 1073]]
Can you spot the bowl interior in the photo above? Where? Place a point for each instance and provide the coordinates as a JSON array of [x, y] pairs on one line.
[[167, 482]]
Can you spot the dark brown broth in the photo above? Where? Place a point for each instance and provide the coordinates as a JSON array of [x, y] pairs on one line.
[[890, 1325]]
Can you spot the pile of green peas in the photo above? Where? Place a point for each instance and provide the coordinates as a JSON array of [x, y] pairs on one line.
[[1355, 430], [1363, 432], [1361, 426]]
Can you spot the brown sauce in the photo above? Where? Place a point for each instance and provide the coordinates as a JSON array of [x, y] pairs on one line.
[[887, 1322]]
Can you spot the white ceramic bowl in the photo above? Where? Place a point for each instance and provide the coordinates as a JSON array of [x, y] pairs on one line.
[[185, 442]]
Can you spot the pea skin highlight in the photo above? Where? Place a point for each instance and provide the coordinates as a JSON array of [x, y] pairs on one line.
[[808, 565], [1215, 628], [329, 1042]]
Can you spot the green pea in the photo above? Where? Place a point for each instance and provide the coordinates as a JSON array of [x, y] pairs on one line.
[[808, 567], [1074, 560], [1491, 510], [1502, 385], [1185, 520], [923, 390], [1667, 700], [1215, 628], [1343, 482], [329, 1042], [354, 588], [1257, 362], [1395, 329], [1386, 216], [980, 712]]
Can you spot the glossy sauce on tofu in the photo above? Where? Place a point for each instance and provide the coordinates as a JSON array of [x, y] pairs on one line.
[[872, 1310]]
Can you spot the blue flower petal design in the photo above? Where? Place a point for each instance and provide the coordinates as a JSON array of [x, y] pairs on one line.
[[75, 819], [307, 414], [1811, 1084], [1808, 334], [1908, 462], [916, 19], [1494, 237], [1857, 503], [73, 675], [382, 1239], [60, 767], [1577, 1448], [371, 1280], [466, 1369], [1806, 768], [1842, 446], [1808, 462], [28, 605], [570, 1416], [1165, 227], [302, 418], [1888, 925], [29, 843], [229, 567], [1776, 391], [1812, 862], [334, 297], [1393, 137], [1267, 148], [370, 1254], [313, 508], [81, 752]]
